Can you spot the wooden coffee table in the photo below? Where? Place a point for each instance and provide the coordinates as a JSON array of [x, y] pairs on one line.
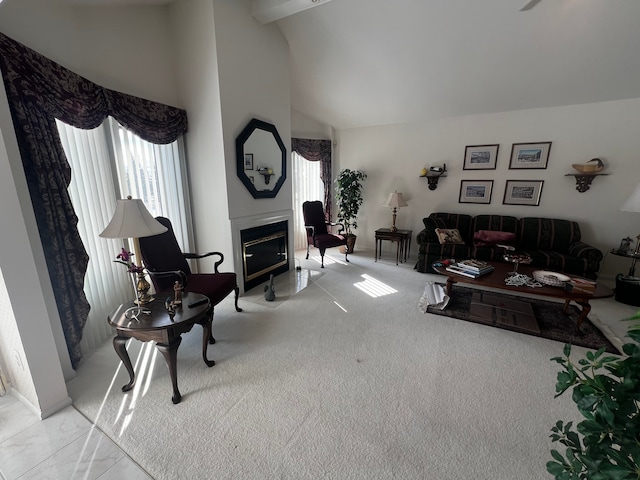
[[501, 271]]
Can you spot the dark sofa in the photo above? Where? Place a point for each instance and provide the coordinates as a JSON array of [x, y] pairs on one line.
[[553, 244]]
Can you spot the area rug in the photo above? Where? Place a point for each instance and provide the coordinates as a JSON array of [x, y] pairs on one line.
[[553, 323]]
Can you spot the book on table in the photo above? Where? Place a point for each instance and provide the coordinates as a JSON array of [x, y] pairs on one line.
[[580, 285], [476, 266], [461, 270]]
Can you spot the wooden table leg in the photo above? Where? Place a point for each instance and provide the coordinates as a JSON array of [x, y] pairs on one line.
[[120, 346], [170, 353], [586, 308], [449, 286], [206, 335], [376, 254], [397, 251]]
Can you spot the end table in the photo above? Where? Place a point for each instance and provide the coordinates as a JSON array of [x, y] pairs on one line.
[[402, 239], [158, 326]]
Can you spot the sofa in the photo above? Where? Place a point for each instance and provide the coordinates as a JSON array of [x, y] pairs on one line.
[[553, 244]]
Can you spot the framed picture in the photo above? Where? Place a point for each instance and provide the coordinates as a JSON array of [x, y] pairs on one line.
[[475, 191], [248, 161], [527, 156], [523, 192], [480, 157]]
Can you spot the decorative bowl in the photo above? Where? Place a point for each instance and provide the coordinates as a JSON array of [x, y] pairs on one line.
[[586, 167], [594, 165], [552, 279]]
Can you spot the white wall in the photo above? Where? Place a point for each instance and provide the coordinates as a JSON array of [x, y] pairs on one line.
[[199, 92], [254, 83], [304, 127], [393, 155], [123, 48]]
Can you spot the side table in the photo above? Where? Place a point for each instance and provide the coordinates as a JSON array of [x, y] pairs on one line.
[[633, 255], [157, 326], [402, 239]]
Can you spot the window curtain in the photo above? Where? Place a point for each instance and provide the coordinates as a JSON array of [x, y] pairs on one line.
[[39, 91], [317, 151]]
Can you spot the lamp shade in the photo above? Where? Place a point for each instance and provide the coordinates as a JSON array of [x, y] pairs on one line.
[[132, 220], [633, 202], [396, 200]]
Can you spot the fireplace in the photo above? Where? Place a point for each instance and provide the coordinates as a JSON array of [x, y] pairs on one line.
[[264, 252]]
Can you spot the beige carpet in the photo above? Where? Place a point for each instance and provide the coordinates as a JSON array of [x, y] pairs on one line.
[[344, 379]]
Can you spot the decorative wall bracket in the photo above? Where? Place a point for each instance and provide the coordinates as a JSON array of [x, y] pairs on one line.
[[583, 180], [434, 175], [267, 175]]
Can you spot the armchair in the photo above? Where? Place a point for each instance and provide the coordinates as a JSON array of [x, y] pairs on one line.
[[317, 233], [166, 263]]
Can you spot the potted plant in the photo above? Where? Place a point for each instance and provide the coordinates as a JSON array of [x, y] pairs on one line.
[[349, 200], [606, 390]]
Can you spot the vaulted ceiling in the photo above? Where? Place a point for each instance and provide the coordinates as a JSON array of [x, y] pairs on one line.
[[359, 63]]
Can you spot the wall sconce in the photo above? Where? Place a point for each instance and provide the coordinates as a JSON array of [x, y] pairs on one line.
[[433, 175], [266, 173]]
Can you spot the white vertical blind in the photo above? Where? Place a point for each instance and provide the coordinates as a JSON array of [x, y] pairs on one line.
[[94, 199], [153, 173], [307, 186]]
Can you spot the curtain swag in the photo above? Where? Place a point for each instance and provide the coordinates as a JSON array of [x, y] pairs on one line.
[[39, 91], [317, 151]]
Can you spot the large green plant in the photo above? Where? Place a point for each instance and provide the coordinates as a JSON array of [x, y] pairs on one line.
[[606, 390], [349, 197]]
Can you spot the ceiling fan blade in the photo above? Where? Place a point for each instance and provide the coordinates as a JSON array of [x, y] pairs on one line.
[[530, 5]]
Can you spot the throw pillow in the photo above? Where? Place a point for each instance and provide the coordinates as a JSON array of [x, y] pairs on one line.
[[449, 235], [430, 225], [491, 237]]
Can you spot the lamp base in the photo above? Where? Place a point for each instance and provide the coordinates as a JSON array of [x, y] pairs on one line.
[[142, 290], [393, 227]]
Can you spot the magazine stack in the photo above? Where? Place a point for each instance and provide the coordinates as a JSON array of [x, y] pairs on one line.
[[470, 268]]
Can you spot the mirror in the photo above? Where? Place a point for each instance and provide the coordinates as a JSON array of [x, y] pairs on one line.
[[261, 159]]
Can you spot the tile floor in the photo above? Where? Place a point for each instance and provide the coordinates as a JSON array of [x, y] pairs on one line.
[[64, 446]]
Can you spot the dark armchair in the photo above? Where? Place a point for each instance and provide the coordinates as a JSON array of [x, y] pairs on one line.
[[166, 263], [318, 234]]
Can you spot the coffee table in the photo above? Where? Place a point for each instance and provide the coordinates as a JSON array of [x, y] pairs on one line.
[[501, 271], [158, 326]]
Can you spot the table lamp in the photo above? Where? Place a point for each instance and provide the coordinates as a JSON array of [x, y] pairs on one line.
[[395, 201], [632, 204], [133, 220]]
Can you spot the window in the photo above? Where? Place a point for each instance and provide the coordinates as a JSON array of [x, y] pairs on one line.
[[307, 185], [107, 163]]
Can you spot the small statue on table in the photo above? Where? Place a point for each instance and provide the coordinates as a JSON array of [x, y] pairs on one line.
[[177, 293], [170, 304], [625, 246]]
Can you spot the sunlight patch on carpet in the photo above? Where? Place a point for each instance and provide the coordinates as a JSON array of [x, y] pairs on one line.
[[374, 287], [328, 260]]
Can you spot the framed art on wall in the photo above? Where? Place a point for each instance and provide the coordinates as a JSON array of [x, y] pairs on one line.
[[529, 155], [248, 161], [480, 157], [523, 192], [475, 191]]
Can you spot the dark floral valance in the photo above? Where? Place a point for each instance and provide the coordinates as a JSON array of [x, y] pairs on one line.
[[36, 80], [317, 151], [39, 91]]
